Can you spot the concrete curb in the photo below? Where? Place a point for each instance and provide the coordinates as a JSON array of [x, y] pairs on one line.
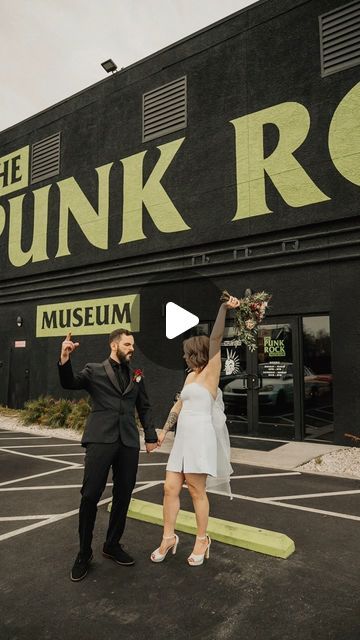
[[264, 541]]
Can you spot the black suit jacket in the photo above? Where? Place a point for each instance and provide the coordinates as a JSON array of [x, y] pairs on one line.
[[113, 411]]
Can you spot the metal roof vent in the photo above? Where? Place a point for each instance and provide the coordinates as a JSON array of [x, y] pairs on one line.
[[45, 158], [164, 109], [340, 38]]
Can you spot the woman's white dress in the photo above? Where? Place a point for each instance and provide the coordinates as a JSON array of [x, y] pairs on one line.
[[202, 442]]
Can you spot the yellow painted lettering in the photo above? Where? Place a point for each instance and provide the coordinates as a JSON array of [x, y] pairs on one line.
[[152, 194], [37, 252], [290, 179], [93, 224], [344, 136]]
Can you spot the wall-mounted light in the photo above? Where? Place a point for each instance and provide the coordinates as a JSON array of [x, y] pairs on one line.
[[109, 66], [19, 321]]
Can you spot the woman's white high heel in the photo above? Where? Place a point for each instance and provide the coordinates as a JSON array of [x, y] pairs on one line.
[[156, 556], [195, 560]]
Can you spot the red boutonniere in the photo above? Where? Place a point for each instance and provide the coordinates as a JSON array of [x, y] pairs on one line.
[[138, 374]]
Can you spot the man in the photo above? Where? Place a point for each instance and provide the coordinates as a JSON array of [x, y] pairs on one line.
[[111, 439]]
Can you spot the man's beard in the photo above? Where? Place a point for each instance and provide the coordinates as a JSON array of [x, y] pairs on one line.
[[123, 357]]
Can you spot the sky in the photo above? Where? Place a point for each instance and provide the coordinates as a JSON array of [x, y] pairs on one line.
[[51, 49]]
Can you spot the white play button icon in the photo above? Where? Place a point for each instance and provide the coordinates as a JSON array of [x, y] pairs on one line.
[[178, 320]]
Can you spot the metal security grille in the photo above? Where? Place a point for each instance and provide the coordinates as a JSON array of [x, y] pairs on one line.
[[45, 158], [340, 38], [164, 109]]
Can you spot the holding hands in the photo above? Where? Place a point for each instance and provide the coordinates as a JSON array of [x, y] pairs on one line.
[[67, 347]]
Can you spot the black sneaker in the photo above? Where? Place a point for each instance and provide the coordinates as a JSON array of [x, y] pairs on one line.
[[80, 568], [118, 554]]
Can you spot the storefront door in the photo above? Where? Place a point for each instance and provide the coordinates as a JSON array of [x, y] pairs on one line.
[[284, 389], [19, 378]]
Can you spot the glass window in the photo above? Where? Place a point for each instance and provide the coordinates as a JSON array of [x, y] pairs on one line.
[[319, 415]]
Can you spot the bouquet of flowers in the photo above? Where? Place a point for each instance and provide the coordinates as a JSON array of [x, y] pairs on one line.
[[248, 315]]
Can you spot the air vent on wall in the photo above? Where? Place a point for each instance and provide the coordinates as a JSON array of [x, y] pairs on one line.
[[45, 158], [164, 109], [340, 38]]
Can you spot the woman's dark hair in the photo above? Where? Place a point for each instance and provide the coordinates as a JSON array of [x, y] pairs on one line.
[[196, 351]]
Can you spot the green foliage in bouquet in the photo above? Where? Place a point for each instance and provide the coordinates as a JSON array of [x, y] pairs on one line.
[[248, 315]]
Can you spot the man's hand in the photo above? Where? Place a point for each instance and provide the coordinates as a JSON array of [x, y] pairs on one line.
[[67, 347], [150, 446]]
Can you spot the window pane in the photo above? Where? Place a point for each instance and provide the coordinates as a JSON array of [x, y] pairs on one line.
[[319, 417]]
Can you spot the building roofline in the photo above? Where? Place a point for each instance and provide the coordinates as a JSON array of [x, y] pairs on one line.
[[209, 27]]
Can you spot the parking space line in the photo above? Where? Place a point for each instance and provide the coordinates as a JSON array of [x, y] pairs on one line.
[[38, 475], [256, 438], [25, 437], [30, 455], [152, 464], [35, 446], [49, 455], [16, 518], [314, 495], [273, 502], [62, 516], [9, 431], [335, 514], [266, 475], [42, 487]]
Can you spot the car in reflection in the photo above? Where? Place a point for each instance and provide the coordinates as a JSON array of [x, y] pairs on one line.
[[276, 387]]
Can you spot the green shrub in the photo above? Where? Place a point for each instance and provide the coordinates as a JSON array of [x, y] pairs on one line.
[[35, 409], [62, 413], [77, 417], [56, 414]]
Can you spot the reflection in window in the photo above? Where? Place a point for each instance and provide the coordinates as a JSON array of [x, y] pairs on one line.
[[319, 416]]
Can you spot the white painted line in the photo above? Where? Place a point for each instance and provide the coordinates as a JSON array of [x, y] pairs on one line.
[[152, 464], [62, 516], [264, 439], [3, 431], [30, 455], [16, 518], [46, 487], [41, 487], [38, 446], [27, 438], [270, 502], [67, 455], [266, 475], [38, 475], [314, 495], [345, 516]]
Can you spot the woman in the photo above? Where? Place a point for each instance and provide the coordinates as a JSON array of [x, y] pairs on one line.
[[201, 447]]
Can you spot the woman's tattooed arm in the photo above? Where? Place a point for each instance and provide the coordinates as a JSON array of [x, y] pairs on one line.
[[171, 420]]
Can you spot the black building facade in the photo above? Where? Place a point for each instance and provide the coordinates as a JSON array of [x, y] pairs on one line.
[[228, 160]]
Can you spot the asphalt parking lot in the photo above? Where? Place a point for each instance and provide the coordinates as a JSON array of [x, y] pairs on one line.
[[237, 594]]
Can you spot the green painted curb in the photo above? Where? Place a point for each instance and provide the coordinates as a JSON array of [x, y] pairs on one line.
[[271, 543]]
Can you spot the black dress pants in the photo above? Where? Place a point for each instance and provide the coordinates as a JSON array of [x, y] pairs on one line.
[[98, 460]]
